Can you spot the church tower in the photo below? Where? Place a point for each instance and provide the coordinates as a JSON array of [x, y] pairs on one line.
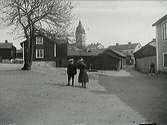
[[80, 36]]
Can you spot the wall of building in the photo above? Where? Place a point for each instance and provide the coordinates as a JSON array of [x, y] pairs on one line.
[[161, 47], [106, 62], [80, 40], [8, 53], [48, 46], [143, 64]]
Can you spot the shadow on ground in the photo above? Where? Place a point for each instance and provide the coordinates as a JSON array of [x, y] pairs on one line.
[[63, 85], [145, 95]]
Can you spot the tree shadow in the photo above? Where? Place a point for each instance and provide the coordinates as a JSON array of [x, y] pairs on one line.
[[63, 85]]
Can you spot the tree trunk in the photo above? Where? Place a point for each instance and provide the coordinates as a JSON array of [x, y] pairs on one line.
[[28, 55]]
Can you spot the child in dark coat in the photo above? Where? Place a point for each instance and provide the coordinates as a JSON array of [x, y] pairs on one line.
[[71, 71]]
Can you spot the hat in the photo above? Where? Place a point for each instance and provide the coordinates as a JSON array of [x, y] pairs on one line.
[[81, 60], [71, 60]]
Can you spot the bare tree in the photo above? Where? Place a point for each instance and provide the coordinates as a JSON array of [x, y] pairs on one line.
[[30, 16]]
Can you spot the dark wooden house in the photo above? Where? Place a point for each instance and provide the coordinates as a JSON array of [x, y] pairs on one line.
[[7, 51], [98, 59], [145, 56], [109, 60], [46, 49]]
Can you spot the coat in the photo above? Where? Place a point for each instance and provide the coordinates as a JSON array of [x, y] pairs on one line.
[[71, 69], [83, 76]]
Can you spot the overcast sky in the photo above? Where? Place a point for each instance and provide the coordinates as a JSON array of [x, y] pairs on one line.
[[109, 22], [115, 21]]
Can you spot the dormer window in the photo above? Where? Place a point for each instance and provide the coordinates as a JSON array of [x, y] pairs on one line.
[[39, 40]]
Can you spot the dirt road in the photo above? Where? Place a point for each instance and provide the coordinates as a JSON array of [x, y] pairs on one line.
[[40, 97]]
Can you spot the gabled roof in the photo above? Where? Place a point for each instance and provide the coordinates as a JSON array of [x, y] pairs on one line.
[[6, 45], [124, 46], [160, 20], [74, 51], [118, 53], [147, 50]]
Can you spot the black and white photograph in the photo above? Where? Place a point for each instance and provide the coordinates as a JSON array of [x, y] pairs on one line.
[[83, 62]]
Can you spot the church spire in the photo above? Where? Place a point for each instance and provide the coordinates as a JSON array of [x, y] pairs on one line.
[[80, 28], [80, 35]]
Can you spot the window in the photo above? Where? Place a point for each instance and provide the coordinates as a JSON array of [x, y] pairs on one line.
[[39, 40], [165, 59], [39, 53], [55, 50], [164, 31]]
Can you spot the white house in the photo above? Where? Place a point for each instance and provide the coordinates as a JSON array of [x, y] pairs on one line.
[[161, 43]]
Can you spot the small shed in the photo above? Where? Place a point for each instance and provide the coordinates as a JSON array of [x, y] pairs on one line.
[[109, 59], [99, 59], [145, 56]]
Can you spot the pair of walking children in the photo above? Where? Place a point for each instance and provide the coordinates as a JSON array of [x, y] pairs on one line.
[[72, 71]]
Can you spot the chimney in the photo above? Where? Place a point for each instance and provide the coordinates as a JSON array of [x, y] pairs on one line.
[[117, 44], [129, 43], [6, 41], [154, 40]]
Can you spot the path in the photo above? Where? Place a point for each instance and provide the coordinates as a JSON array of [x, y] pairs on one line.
[[40, 97]]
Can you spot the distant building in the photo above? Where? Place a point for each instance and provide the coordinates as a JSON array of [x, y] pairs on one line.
[[109, 59], [94, 46], [161, 43], [80, 36], [128, 50], [45, 49], [99, 59], [145, 56], [95, 55], [7, 51], [60, 50]]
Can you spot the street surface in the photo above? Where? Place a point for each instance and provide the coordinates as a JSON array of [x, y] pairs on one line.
[[41, 97]]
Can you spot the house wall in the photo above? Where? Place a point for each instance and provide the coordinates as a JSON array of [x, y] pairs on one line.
[[101, 62], [161, 47], [143, 64], [48, 46], [106, 62], [8, 53]]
